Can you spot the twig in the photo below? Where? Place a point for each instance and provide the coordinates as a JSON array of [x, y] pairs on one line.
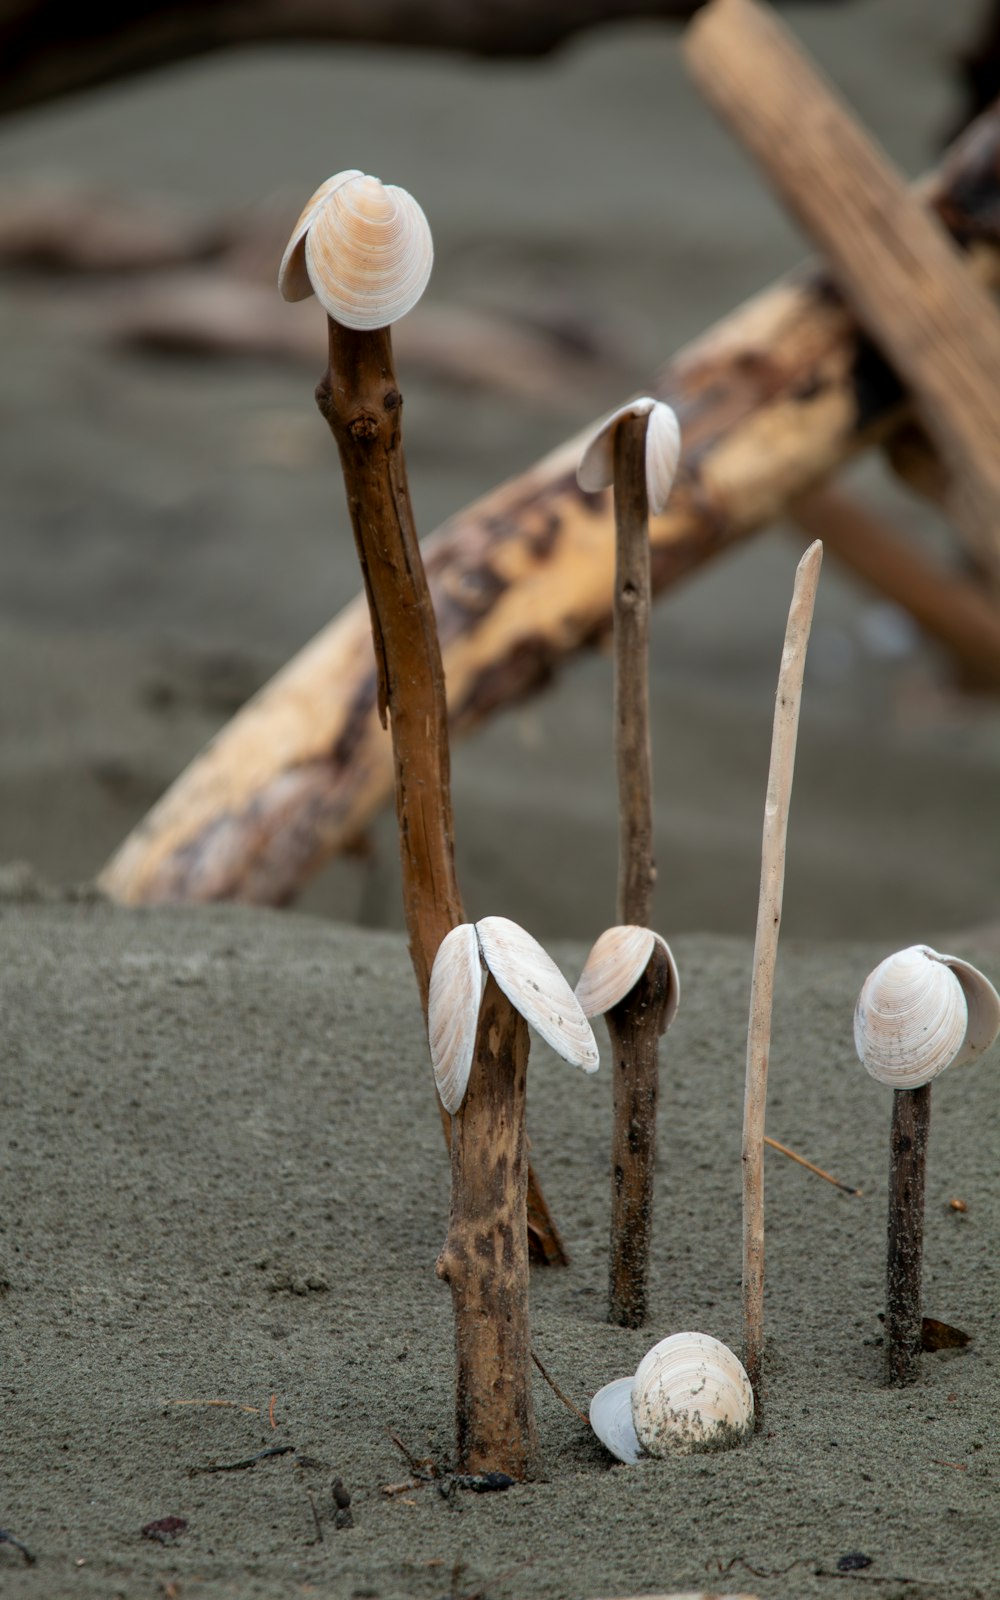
[[772, 882], [270, 1411], [558, 1392], [8, 1538], [312, 1507], [812, 1167], [911, 1120], [250, 1461]]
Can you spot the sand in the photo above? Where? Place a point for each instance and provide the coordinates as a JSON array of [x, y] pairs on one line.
[[223, 1176], [224, 1179]]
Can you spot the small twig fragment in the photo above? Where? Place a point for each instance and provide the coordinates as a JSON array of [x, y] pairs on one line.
[[812, 1167], [8, 1538], [567, 1402], [250, 1461]]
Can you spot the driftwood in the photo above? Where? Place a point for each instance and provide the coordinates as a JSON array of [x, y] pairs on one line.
[[49, 49], [770, 402], [900, 271]]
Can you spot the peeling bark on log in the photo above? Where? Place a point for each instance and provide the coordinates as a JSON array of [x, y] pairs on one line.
[[770, 402]]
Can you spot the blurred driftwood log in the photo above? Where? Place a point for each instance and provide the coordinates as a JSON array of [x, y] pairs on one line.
[[771, 401], [49, 49]]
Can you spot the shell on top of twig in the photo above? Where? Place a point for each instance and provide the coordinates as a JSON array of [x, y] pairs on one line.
[[528, 977], [663, 450], [363, 248], [689, 1393], [920, 1012], [614, 966]]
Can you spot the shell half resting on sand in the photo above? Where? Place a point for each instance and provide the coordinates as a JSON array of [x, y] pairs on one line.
[[614, 966], [363, 247], [663, 451], [689, 1393], [528, 977], [920, 1012]]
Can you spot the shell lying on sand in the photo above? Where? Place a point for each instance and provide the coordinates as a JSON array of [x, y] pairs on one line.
[[663, 451], [689, 1393], [920, 1012], [363, 248], [528, 977], [614, 966]]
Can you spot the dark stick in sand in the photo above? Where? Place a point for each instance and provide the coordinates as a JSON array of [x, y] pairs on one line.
[[637, 449], [911, 1121], [360, 400], [772, 881]]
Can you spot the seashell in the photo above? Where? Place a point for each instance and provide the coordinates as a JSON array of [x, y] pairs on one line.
[[611, 1420], [690, 1393], [614, 966], [293, 279], [920, 1012], [528, 977], [533, 983], [663, 449], [453, 1001], [365, 249]]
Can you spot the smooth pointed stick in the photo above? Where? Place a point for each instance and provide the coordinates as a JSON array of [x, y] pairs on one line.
[[637, 448], [772, 882]]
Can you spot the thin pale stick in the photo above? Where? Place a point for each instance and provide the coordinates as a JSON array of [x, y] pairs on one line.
[[772, 883], [811, 1166]]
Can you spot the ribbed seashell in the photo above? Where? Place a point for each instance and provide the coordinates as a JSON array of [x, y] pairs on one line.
[[920, 1012], [614, 966], [293, 279], [690, 1393], [528, 977], [456, 991], [663, 450], [533, 983], [367, 251], [611, 1420]]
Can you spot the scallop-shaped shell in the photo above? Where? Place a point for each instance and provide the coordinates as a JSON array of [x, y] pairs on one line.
[[690, 1393], [920, 1012], [368, 252], [611, 1420], [533, 983], [293, 279], [456, 991], [614, 966], [663, 450]]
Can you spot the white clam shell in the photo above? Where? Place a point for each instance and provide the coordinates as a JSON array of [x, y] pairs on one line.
[[614, 966], [663, 450], [611, 1420], [533, 983], [368, 252], [690, 1393], [454, 998], [293, 279], [920, 1012]]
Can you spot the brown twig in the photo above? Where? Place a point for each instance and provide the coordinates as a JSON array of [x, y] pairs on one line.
[[360, 400], [811, 1167], [911, 1118], [772, 881], [567, 1402], [270, 1411]]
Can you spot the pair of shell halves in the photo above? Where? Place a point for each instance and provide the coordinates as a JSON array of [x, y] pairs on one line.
[[614, 966], [363, 248], [920, 1012], [689, 1393], [528, 977], [663, 450]]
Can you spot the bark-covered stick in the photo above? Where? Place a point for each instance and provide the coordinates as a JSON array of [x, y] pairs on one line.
[[772, 883], [360, 400], [637, 448], [911, 1125]]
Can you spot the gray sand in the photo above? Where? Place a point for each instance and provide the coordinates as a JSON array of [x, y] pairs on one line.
[[224, 1179]]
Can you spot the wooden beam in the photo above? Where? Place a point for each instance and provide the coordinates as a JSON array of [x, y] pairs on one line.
[[893, 262]]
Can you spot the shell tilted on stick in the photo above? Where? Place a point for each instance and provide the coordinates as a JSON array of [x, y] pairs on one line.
[[614, 966], [663, 450], [920, 1012], [363, 248], [528, 977]]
